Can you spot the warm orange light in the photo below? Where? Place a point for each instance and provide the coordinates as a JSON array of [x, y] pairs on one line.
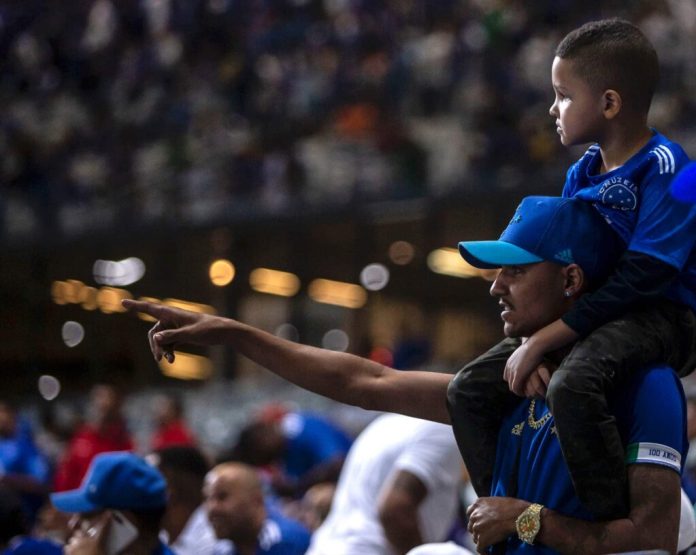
[[187, 367], [109, 299], [348, 295], [59, 292], [449, 262], [221, 272], [274, 282], [88, 298]]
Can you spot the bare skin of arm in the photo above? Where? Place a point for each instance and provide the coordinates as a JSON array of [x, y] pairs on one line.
[[340, 376], [652, 524], [398, 511]]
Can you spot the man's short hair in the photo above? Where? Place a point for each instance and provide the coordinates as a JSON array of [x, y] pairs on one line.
[[614, 54]]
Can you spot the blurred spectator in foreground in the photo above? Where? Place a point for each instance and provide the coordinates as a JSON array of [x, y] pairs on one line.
[[171, 426], [398, 489], [315, 505], [239, 515], [51, 524], [23, 468], [104, 431], [185, 527], [14, 538], [122, 496], [306, 448]]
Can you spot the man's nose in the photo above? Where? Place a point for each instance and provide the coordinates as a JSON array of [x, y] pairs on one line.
[[496, 289]]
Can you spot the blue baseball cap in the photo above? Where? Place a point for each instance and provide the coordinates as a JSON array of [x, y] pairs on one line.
[[117, 480], [684, 184], [553, 229]]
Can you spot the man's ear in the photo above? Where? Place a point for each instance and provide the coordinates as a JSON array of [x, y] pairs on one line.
[[611, 103], [574, 280]]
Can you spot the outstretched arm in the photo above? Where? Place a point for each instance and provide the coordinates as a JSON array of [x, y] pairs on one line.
[[340, 376], [653, 522]]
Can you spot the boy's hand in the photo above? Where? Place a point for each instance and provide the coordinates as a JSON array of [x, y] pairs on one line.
[[528, 356], [520, 366], [538, 381]]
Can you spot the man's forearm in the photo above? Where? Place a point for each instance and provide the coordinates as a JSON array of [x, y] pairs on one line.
[[342, 376], [652, 524], [574, 536], [329, 373]]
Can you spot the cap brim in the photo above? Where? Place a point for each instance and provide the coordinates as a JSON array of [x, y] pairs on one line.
[[684, 185], [74, 501], [489, 255]]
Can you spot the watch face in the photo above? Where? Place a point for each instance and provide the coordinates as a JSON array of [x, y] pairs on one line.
[[528, 525]]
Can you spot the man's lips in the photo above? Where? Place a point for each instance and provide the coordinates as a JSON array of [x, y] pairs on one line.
[[505, 309]]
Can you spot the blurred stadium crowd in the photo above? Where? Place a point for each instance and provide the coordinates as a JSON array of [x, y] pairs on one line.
[[170, 111], [295, 455]]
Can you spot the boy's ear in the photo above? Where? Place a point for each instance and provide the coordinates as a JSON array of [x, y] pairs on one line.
[[611, 103]]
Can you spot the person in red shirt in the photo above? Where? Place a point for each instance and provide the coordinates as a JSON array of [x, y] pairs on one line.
[[171, 426], [105, 430]]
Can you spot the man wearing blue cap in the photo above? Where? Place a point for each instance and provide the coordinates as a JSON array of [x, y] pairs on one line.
[[118, 509], [553, 252]]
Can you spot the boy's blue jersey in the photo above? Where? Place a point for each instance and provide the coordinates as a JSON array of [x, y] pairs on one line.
[[650, 413], [635, 200]]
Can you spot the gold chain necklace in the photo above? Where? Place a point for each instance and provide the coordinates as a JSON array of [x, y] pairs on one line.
[[536, 424]]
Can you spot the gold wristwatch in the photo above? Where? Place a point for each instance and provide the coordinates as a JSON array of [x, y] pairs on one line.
[[528, 523]]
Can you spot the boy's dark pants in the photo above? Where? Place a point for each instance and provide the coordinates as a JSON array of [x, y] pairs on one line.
[[478, 399]]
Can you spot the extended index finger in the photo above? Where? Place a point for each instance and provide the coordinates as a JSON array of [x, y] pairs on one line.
[[154, 310]]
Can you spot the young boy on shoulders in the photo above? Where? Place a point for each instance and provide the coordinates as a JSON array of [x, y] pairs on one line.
[[604, 75]]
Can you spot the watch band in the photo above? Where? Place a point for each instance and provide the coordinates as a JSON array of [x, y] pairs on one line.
[[528, 523]]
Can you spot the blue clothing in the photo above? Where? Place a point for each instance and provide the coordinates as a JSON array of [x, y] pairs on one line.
[[279, 536], [650, 411], [162, 549], [24, 545], [19, 455], [310, 442], [635, 200]]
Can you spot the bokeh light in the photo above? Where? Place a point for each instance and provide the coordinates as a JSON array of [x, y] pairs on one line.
[[49, 387], [221, 272], [401, 252], [73, 333], [335, 340], [374, 277]]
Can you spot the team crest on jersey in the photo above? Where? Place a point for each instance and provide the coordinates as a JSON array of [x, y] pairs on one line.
[[619, 193]]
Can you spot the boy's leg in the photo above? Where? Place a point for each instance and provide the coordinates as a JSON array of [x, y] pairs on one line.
[[578, 390], [477, 399]]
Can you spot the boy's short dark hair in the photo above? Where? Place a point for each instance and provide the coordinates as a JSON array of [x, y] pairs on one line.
[[614, 54]]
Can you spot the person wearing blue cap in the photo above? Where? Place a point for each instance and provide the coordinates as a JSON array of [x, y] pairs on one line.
[[117, 509], [553, 252], [603, 75]]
